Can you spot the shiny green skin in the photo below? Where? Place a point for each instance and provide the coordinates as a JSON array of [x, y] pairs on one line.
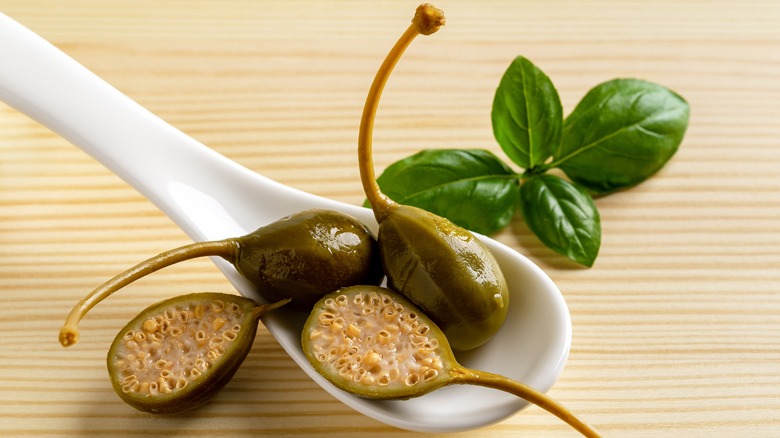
[[446, 271], [307, 255], [211, 381]]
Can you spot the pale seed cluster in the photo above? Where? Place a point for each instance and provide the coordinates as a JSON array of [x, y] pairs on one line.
[[373, 340], [176, 347]]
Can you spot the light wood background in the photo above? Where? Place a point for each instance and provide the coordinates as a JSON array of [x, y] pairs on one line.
[[676, 327]]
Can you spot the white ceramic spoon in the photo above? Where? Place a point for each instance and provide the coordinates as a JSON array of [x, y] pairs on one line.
[[211, 197]]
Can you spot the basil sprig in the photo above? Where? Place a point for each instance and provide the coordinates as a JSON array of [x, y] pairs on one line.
[[621, 133]]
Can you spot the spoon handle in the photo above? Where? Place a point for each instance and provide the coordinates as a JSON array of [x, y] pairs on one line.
[[41, 81]]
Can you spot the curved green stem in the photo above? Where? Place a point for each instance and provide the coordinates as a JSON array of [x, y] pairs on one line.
[[427, 20], [464, 375], [227, 249], [262, 309]]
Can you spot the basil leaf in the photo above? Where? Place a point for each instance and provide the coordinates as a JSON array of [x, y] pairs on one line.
[[563, 216], [527, 115], [621, 133], [470, 187]]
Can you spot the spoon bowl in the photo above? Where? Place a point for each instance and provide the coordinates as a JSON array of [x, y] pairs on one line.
[[211, 197]]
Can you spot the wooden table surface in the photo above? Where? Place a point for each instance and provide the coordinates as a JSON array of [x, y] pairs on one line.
[[676, 329]]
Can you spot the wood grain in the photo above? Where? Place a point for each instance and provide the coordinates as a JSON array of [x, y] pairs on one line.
[[676, 327]]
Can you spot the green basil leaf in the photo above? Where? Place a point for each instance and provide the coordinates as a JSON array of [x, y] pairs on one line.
[[563, 216], [621, 133], [472, 188], [527, 115]]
